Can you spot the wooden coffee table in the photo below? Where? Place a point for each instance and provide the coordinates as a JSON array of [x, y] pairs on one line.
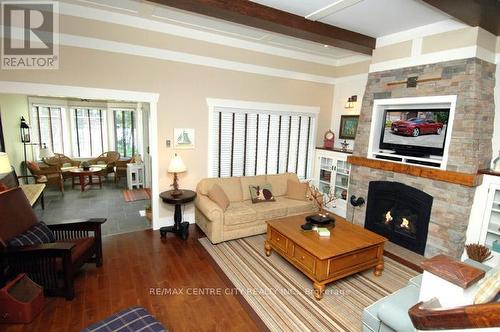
[[81, 174], [349, 249]]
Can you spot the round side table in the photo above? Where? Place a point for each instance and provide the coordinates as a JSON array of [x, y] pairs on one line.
[[180, 228]]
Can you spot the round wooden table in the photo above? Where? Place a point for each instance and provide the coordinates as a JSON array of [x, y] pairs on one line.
[[80, 173], [180, 228]]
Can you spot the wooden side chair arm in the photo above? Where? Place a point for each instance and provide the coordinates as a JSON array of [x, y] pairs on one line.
[[56, 249], [430, 316]]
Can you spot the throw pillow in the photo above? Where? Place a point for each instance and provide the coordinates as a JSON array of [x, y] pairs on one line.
[[37, 234], [218, 195], [262, 193], [296, 190], [33, 165], [488, 287]]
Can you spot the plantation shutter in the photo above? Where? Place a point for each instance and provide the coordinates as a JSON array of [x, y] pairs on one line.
[[249, 142]]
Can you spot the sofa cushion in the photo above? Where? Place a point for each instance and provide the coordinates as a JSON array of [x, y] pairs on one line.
[[261, 193], [279, 182], [268, 210], [231, 186], [394, 311], [239, 213], [294, 206], [218, 195], [37, 234], [296, 190], [247, 181]]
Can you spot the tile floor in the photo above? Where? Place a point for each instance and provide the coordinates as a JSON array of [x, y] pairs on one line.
[[107, 203]]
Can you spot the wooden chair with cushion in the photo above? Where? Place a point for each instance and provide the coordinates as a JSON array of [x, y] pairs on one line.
[[63, 163], [50, 175], [51, 255], [108, 159]]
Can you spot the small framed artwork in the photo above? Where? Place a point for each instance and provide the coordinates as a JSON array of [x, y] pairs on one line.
[[348, 126], [183, 138]]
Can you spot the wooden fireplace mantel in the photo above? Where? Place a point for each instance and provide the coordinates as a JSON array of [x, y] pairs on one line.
[[465, 179]]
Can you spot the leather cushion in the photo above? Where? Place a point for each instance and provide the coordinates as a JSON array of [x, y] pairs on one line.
[[37, 234], [218, 195]]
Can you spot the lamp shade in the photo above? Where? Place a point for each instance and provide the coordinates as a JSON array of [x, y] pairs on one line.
[[176, 165], [46, 152], [4, 163]]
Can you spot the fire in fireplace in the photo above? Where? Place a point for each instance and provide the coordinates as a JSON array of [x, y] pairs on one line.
[[400, 213]]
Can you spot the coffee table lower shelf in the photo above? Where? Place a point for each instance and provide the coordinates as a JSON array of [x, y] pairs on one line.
[[324, 270]]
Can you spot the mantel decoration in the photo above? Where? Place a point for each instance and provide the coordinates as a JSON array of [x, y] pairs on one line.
[[345, 145], [351, 102], [348, 126], [329, 140]]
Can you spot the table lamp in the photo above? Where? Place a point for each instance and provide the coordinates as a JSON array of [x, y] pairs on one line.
[[176, 166], [5, 166], [45, 152]]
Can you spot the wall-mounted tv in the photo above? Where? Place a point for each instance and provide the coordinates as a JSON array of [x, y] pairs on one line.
[[415, 132]]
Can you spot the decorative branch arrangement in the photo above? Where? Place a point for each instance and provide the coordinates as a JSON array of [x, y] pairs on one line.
[[478, 252], [321, 200]]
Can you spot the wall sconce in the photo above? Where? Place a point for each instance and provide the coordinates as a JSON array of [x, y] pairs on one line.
[[351, 102]]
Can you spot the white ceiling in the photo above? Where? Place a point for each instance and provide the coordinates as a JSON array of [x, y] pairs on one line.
[[373, 18]]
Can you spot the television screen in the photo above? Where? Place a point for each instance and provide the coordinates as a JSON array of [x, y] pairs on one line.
[[422, 131]]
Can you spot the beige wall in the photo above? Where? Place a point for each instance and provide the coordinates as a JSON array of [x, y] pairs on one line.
[[12, 107], [183, 90], [391, 52]]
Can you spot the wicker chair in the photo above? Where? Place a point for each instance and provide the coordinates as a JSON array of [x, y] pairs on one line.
[[107, 158], [121, 169], [50, 175], [63, 163], [52, 264]]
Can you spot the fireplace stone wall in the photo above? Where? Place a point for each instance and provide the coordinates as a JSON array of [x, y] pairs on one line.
[[473, 81]]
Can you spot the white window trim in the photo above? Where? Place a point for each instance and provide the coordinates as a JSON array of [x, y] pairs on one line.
[[257, 107]]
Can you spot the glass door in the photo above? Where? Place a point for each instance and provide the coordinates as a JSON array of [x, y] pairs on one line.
[[325, 174], [343, 168], [493, 232]]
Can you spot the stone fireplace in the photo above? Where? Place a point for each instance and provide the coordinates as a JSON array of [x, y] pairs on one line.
[[472, 81], [400, 213]]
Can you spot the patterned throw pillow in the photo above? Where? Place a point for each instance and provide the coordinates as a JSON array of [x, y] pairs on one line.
[[37, 234], [262, 193], [489, 287]]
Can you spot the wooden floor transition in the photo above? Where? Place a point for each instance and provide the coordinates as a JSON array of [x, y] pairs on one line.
[[135, 263]]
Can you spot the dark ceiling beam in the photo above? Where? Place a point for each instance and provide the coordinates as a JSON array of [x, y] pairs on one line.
[[262, 17], [482, 13]]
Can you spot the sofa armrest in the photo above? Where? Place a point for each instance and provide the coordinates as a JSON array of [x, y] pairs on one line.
[[209, 208]]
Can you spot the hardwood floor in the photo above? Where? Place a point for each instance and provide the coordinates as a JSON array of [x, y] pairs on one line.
[[134, 265]]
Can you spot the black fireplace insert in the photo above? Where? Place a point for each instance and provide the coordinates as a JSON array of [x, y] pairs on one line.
[[400, 213]]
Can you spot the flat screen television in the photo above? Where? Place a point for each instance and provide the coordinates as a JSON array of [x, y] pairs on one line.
[[415, 132]]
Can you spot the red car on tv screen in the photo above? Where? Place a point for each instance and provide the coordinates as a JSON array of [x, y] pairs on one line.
[[416, 127]]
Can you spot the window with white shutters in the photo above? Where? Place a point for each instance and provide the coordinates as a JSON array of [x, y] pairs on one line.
[[249, 142]]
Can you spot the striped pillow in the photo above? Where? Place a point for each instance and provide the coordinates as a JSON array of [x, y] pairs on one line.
[[37, 234], [489, 287]]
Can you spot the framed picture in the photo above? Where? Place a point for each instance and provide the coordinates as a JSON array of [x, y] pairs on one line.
[[183, 138], [348, 126]]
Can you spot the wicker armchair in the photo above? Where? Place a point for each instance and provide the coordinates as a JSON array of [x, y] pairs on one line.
[[121, 169], [51, 264], [50, 175], [107, 158], [63, 163]]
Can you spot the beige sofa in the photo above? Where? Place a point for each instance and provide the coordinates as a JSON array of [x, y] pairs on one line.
[[243, 218]]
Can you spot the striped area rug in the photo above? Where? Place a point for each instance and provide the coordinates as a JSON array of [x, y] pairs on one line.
[[283, 298], [136, 194]]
